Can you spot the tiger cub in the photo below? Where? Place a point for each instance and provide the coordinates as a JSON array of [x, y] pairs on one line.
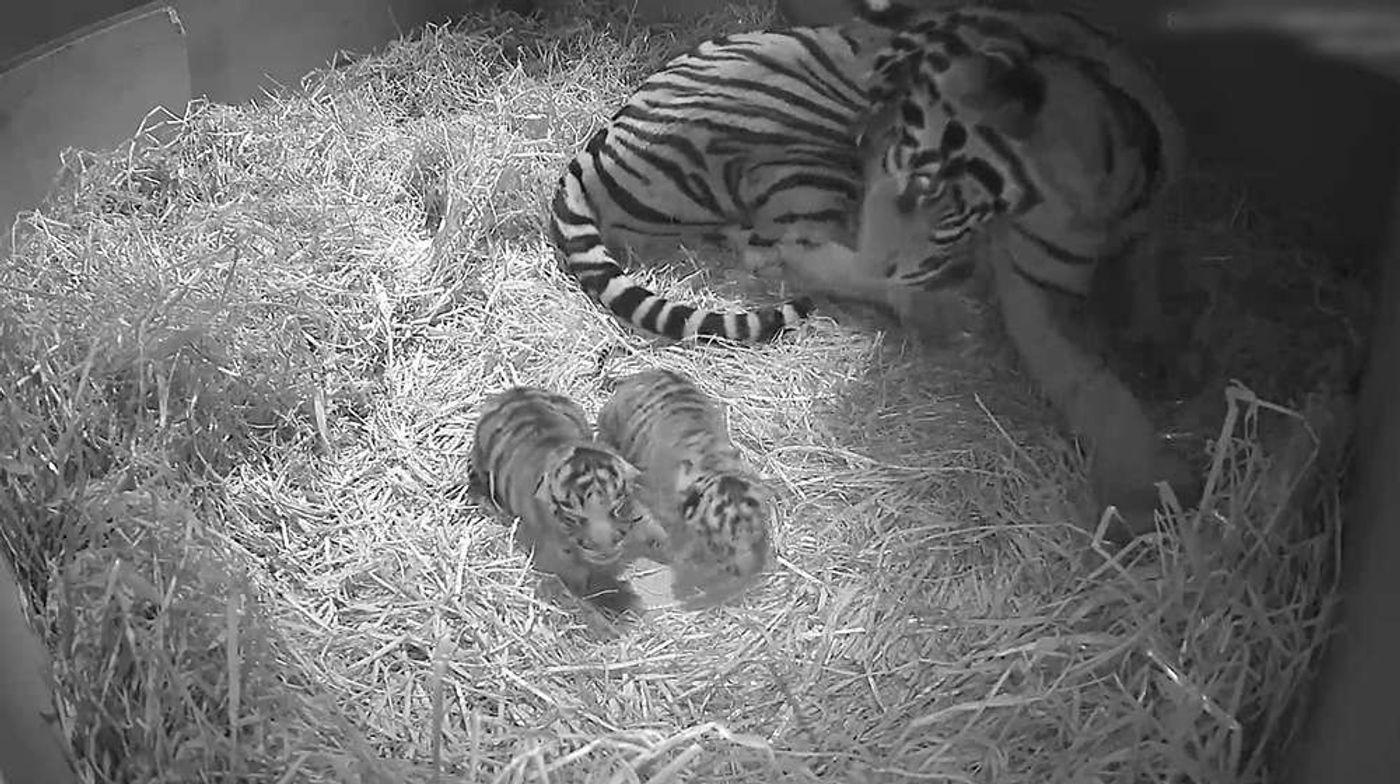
[[714, 508], [534, 457]]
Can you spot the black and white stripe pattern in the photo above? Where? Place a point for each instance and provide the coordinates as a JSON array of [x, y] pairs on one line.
[[748, 133]]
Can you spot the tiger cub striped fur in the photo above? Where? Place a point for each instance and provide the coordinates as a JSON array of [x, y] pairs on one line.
[[714, 508], [534, 456]]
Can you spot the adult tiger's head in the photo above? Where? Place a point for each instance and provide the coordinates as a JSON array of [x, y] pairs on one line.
[[724, 538], [588, 489], [950, 102]]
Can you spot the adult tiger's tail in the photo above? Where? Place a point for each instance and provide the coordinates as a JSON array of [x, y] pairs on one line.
[[574, 228]]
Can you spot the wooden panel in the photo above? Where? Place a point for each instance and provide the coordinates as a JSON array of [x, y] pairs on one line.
[[242, 34], [31, 25], [90, 90], [1352, 732], [411, 14], [660, 10], [237, 46]]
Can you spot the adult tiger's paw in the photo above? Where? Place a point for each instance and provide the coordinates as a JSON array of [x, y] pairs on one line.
[[1129, 484], [939, 317], [827, 267], [762, 262]]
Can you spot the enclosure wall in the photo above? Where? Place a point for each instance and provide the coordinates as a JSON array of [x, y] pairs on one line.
[[27, 25]]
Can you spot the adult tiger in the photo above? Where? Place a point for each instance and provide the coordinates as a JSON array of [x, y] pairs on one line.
[[888, 158], [714, 508], [1031, 143], [534, 457], [774, 139]]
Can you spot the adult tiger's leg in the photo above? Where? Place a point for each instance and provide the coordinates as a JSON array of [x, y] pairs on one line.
[[1142, 313], [1127, 458], [837, 272], [1146, 322], [804, 235], [830, 269]]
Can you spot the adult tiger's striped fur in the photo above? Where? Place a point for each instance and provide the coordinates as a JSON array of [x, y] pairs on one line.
[[892, 157], [748, 137], [534, 456], [714, 508], [783, 141]]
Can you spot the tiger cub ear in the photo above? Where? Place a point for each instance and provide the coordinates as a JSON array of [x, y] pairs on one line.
[[545, 487], [543, 490], [626, 470]]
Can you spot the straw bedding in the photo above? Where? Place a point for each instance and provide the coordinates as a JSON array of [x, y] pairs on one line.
[[242, 358]]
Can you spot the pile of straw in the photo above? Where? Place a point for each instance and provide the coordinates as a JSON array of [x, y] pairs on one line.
[[241, 360]]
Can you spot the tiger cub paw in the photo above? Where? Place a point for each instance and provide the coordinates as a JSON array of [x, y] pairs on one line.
[[647, 539]]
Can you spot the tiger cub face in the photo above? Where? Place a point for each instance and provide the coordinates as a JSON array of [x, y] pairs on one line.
[[723, 540], [588, 491]]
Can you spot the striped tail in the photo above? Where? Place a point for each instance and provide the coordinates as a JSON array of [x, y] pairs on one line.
[[574, 229]]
